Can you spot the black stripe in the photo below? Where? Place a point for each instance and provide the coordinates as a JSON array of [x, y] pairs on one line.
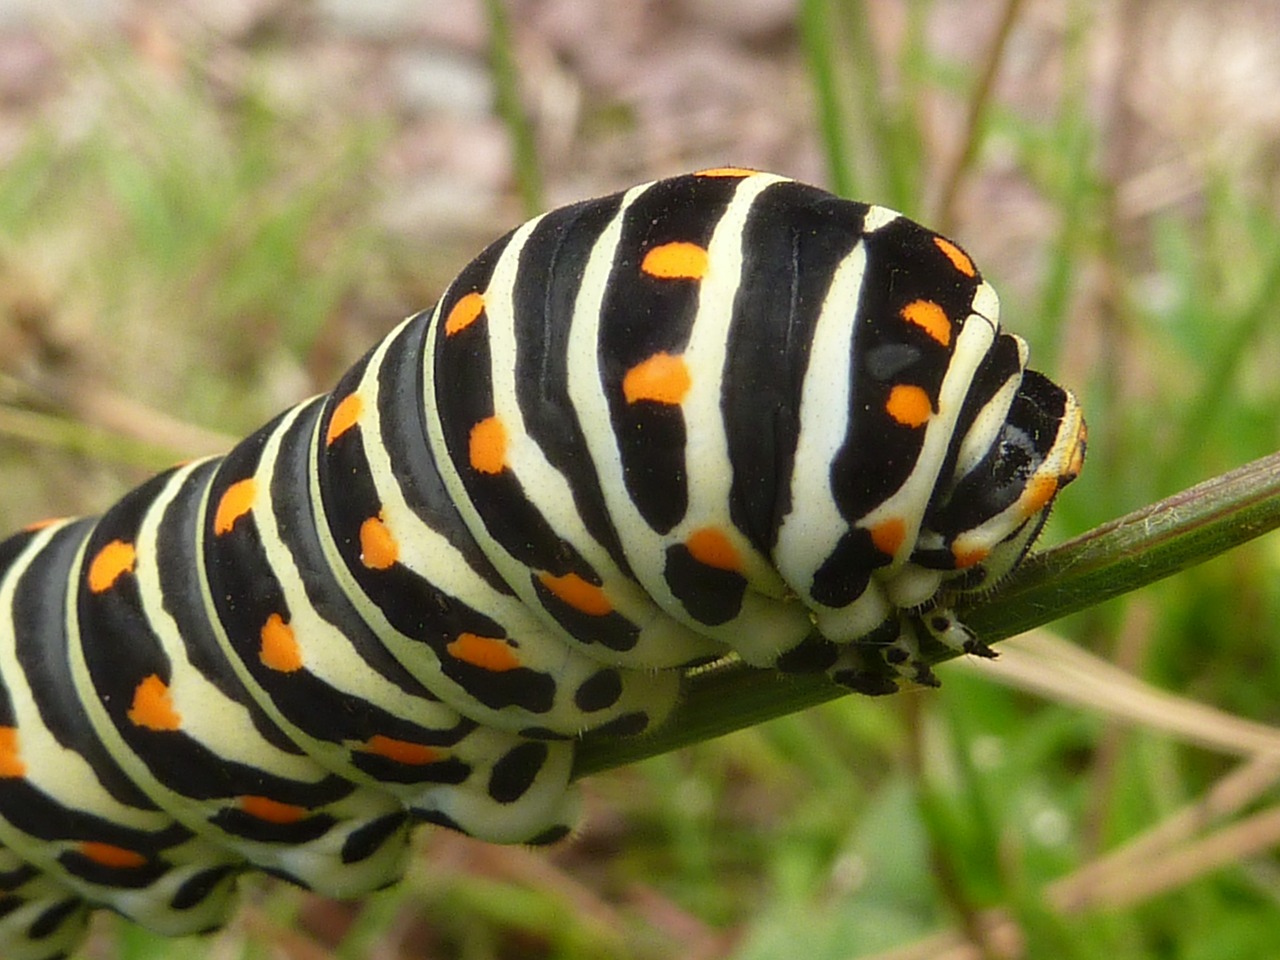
[[793, 241], [41, 644], [546, 288], [642, 316]]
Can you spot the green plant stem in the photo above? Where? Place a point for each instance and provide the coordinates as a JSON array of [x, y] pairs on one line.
[[510, 109], [1118, 557], [975, 121], [60, 433], [816, 36], [1241, 335]]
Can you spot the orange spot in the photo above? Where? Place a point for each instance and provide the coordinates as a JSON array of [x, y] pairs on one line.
[[345, 415], [111, 563], [109, 855], [464, 314], [1037, 495], [279, 649], [402, 751], [968, 558], [40, 524], [11, 763], [488, 448], [662, 378], [153, 706], [578, 593], [676, 261], [237, 500], [378, 548], [272, 811], [487, 653], [959, 259], [930, 318], [888, 535], [909, 405], [724, 172], [712, 547]]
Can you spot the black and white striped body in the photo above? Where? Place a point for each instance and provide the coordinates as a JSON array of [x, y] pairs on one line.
[[719, 414]]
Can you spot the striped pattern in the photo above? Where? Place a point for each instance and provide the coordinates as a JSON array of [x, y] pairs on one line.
[[637, 434]]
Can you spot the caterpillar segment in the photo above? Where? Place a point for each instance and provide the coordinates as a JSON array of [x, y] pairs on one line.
[[719, 415], [86, 833]]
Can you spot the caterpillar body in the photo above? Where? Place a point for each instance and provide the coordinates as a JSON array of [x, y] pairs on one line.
[[719, 414]]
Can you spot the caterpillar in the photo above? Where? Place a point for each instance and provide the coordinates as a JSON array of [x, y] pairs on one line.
[[722, 414]]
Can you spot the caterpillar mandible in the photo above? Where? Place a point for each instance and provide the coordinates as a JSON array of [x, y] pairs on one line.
[[719, 414]]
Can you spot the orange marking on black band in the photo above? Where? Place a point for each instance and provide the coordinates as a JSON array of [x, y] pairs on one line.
[[487, 653], [12, 765], [345, 416], [887, 535], [41, 524], [578, 593], [662, 379], [711, 547], [930, 318], [959, 259], [403, 751], [111, 563], [378, 547], [677, 260], [109, 855], [969, 558], [153, 706], [272, 811], [1037, 495], [488, 446], [464, 313], [279, 649], [725, 172], [909, 405], [237, 500]]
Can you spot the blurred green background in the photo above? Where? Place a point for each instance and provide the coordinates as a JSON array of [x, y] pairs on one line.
[[207, 211]]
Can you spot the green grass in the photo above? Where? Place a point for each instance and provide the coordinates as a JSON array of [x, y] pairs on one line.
[[190, 264]]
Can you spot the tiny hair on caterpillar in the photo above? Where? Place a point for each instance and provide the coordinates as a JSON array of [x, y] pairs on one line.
[[724, 414]]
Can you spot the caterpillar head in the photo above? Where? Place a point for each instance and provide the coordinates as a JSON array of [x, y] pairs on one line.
[[988, 512]]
